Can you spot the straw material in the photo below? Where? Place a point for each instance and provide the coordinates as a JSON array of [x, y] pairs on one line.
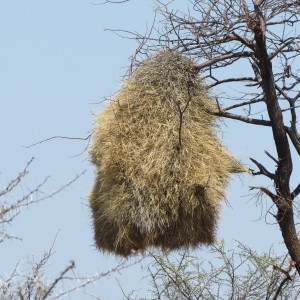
[[161, 171]]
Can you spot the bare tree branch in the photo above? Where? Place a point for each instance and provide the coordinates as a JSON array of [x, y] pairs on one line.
[[265, 191], [262, 170], [16, 180], [272, 157], [222, 58], [59, 137], [241, 118]]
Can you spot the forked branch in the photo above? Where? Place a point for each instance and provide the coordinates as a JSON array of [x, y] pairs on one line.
[[262, 170]]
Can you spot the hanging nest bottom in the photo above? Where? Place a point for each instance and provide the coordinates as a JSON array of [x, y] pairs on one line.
[[115, 232]]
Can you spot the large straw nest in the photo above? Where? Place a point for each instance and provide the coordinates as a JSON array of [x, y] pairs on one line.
[[161, 171]]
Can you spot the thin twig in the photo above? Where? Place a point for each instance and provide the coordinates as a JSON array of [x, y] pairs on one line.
[[58, 137]]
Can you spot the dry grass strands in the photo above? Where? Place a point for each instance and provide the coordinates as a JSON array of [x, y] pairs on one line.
[[161, 171]]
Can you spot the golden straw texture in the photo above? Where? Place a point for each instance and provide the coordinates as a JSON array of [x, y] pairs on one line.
[[161, 171]]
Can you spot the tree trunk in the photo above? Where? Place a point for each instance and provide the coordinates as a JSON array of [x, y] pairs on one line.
[[287, 225], [283, 201]]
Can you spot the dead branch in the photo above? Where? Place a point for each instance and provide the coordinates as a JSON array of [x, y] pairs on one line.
[[9, 211], [262, 170], [15, 182], [59, 137], [272, 157], [241, 118], [223, 58], [265, 191]]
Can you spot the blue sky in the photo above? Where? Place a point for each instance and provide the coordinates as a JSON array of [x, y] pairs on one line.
[[57, 62]]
